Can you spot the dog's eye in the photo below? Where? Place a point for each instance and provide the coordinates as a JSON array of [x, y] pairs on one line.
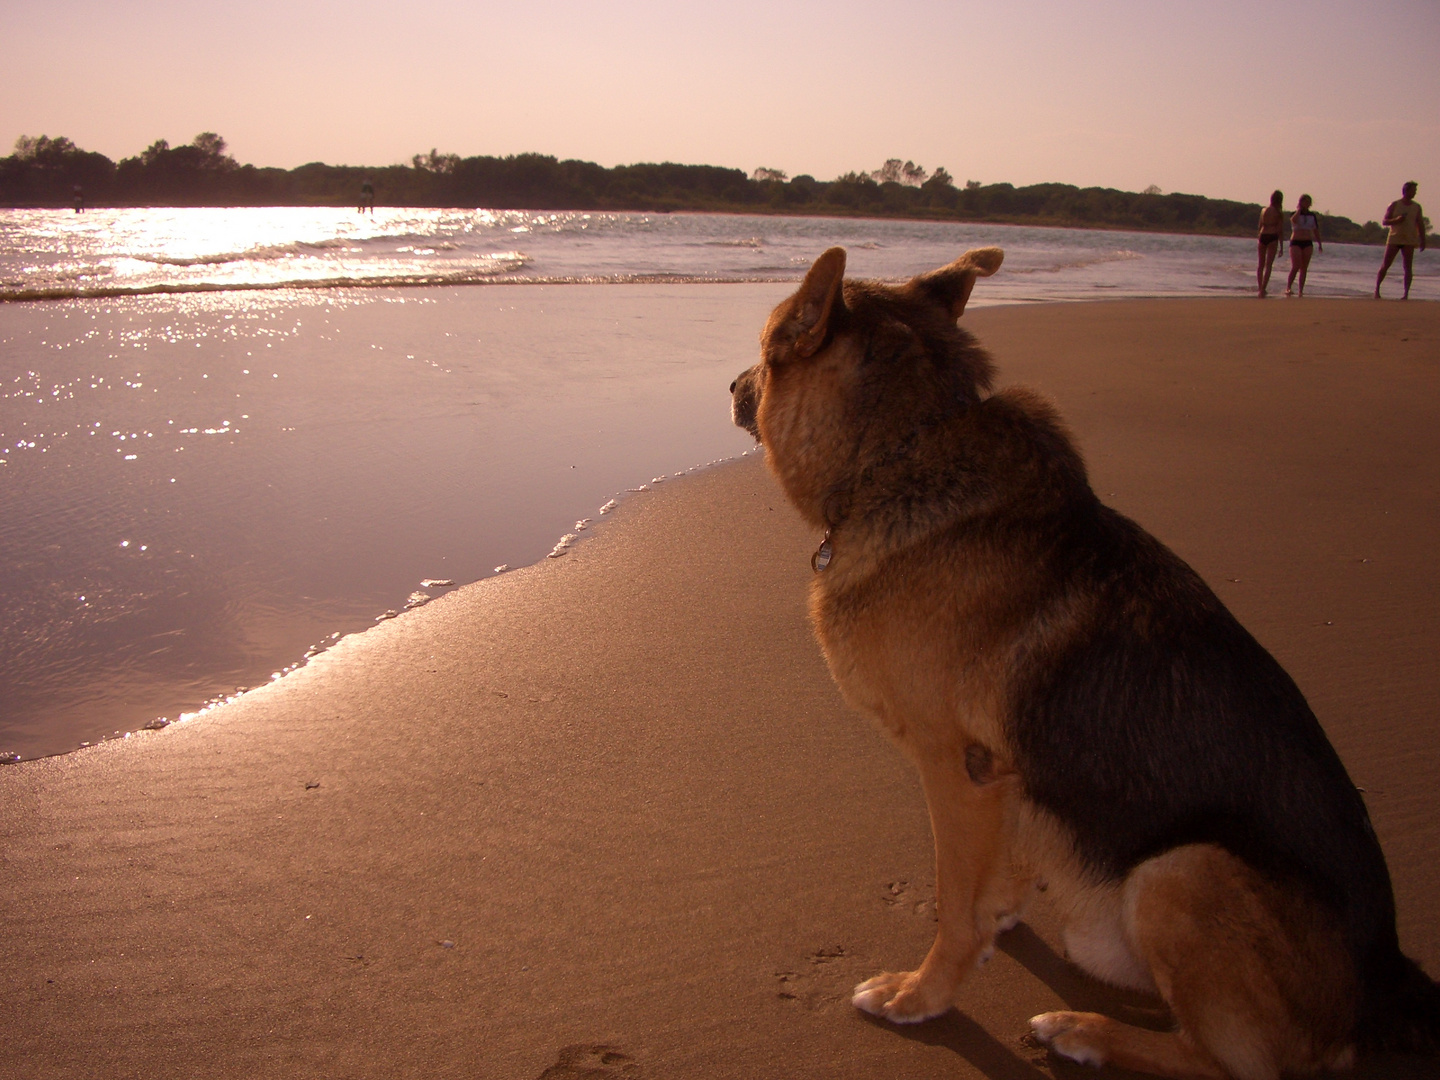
[[733, 385]]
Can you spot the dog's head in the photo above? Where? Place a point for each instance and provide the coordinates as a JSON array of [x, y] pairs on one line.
[[847, 367]]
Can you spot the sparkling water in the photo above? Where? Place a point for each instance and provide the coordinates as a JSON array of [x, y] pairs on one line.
[[102, 253]]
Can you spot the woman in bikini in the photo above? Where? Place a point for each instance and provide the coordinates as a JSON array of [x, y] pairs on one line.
[[1272, 226], [1304, 235]]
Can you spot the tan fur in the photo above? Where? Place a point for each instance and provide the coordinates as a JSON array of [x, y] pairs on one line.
[[925, 636]]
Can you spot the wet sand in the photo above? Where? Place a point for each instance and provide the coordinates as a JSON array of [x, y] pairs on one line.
[[613, 801], [222, 484]]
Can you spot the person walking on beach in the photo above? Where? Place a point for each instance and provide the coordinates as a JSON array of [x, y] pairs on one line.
[[79, 201], [1304, 235], [1407, 232], [1272, 227], [367, 197]]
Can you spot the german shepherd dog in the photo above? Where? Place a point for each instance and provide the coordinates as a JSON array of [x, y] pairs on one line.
[[1085, 713]]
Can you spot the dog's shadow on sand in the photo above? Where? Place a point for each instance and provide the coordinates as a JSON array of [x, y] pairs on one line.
[[956, 1031], [1076, 989], [998, 1060]]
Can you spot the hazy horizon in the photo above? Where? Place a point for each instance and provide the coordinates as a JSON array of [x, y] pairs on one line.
[[1228, 100]]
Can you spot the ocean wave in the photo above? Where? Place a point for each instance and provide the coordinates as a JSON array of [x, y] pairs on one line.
[[66, 273], [745, 242], [393, 281], [1098, 259], [420, 239], [499, 264], [647, 279], [262, 253], [272, 252]]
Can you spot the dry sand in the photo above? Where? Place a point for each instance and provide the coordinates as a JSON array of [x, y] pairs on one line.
[[614, 801]]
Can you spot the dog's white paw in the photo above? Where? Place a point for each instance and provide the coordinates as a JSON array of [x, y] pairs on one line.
[[870, 998], [1065, 1033], [898, 996]]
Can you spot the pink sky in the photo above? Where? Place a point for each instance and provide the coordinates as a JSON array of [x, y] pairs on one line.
[[1340, 99]]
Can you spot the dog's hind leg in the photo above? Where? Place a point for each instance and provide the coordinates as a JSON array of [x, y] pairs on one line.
[[1256, 974], [1092, 1039], [973, 824]]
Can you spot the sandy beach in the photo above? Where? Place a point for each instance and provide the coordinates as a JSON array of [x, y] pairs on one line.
[[607, 816]]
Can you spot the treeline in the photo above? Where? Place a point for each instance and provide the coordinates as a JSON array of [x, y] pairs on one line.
[[46, 172]]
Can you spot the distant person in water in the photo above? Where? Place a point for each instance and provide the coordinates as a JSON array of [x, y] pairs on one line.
[[367, 197], [1272, 228], [79, 200], [1304, 235], [1407, 232]]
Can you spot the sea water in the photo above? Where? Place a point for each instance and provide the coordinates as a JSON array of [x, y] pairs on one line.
[[45, 254], [200, 490], [238, 439]]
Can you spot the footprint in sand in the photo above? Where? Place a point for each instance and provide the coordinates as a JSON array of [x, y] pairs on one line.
[[910, 898], [591, 1061], [825, 980]]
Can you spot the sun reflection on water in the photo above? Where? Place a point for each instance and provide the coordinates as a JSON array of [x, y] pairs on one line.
[[129, 251]]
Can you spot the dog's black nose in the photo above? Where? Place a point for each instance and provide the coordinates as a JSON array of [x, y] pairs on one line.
[[732, 386]]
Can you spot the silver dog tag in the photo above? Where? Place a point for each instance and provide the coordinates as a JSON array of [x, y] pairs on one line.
[[821, 558]]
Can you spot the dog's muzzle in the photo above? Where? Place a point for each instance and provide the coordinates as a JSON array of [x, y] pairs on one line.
[[744, 400]]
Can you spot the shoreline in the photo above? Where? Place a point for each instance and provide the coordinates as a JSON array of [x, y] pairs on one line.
[[392, 438], [836, 215], [565, 545], [46, 296], [613, 800], [1018, 222]]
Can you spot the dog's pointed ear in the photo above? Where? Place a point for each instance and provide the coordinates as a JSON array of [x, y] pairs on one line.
[[815, 302], [951, 285]]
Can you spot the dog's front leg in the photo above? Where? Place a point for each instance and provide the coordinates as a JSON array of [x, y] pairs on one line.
[[971, 822]]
